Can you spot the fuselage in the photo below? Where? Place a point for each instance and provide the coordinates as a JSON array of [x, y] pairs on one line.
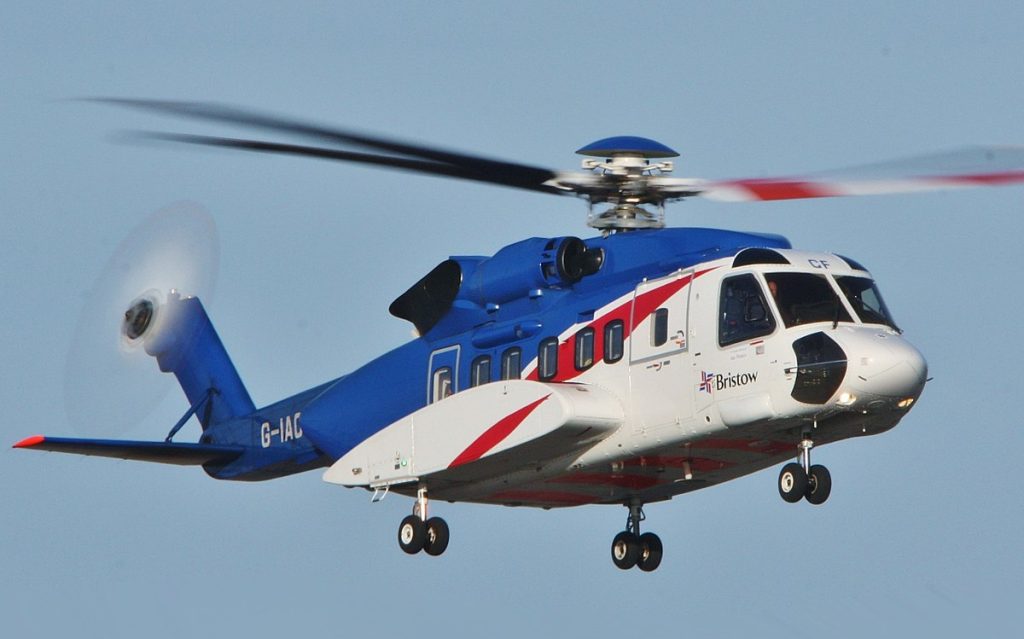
[[721, 349]]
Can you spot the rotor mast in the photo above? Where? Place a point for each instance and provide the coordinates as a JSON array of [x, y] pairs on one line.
[[625, 170]]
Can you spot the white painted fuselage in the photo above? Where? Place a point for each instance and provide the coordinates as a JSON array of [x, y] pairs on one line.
[[721, 374]]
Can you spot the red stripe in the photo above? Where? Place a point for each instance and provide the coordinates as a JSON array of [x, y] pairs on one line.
[[29, 442], [542, 497], [697, 464], [495, 434], [749, 445], [641, 308], [782, 189], [991, 179], [634, 482]]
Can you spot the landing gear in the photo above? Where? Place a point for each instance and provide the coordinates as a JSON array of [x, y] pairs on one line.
[[417, 532], [802, 480], [630, 548], [793, 482], [437, 536], [819, 485], [412, 534], [625, 550], [650, 552]]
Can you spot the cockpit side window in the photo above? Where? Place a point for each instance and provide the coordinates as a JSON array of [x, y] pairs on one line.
[[743, 311], [866, 301], [805, 298]]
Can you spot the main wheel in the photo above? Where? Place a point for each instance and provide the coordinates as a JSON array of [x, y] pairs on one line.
[[437, 536], [650, 552], [819, 485], [412, 534], [792, 482], [625, 550]]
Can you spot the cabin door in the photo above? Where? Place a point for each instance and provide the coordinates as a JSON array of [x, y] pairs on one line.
[[658, 351]]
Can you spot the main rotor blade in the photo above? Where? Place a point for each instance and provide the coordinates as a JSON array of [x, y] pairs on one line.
[[418, 166], [519, 174], [961, 168]]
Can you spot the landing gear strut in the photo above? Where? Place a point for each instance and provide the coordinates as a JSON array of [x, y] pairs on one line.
[[417, 532], [630, 548], [801, 480]]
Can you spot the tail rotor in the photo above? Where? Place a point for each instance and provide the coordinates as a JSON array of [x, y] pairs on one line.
[[110, 383]]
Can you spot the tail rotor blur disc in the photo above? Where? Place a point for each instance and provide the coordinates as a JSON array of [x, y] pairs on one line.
[[110, 383]]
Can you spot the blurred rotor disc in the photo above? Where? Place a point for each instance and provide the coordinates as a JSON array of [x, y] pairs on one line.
[[110, 383]]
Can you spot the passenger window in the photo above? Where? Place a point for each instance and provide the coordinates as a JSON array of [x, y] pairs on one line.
[[547, 358], [480, 371], [442, 382], [511, 363], [584, 349], [743, 311], [659, 327], [613, 341]]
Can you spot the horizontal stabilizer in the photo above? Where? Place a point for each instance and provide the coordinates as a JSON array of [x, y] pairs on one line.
[[160, 452]]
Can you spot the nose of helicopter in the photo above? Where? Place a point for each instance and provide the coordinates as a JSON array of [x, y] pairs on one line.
[[883, 369]]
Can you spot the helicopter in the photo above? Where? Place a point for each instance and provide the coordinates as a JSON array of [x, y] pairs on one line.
[[623, 369]]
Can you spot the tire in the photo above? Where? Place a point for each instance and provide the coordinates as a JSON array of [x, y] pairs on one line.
[[819, 485], [625, 550], [792, 482], [650, 552], [437, 536], [412, 534]]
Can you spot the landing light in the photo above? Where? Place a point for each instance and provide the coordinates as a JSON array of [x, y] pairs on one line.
[[905, 403], [846, 399]]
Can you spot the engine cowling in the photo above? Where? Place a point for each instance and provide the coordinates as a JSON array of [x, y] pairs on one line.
[[537, 263], [477, 285]]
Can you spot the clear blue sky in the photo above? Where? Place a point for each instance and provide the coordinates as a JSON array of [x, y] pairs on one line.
[[922, 533]]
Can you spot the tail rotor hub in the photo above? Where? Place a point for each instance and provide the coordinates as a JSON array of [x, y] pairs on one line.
[[137, 319]]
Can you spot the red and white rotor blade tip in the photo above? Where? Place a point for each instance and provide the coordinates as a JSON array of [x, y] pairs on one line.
[[962, 168]]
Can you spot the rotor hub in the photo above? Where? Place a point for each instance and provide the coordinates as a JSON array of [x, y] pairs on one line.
[[626, 217], [627, 167]]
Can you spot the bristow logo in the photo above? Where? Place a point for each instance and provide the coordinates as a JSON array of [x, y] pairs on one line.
[[706, 381], [710, 381]]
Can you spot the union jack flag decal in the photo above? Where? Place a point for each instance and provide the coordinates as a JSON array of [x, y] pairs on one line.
[[706, 380]]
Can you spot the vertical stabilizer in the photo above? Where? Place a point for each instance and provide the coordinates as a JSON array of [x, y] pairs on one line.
[[181, 337]]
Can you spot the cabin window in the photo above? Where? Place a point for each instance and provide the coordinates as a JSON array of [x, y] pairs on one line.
[[511, 363], [613, 341], [584, 349], [547, 358], [442, 383], [480, 371], [743, 311], [659, 327], [805, 298]]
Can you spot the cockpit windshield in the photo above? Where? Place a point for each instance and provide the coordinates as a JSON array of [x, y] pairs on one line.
[[865, 299], [804, 298]]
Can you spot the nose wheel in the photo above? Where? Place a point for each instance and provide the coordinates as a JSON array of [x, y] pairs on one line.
[[630, 548], [418, 532], [801, 480]]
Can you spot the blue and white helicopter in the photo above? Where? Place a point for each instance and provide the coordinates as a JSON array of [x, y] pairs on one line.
[[625, 369]]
